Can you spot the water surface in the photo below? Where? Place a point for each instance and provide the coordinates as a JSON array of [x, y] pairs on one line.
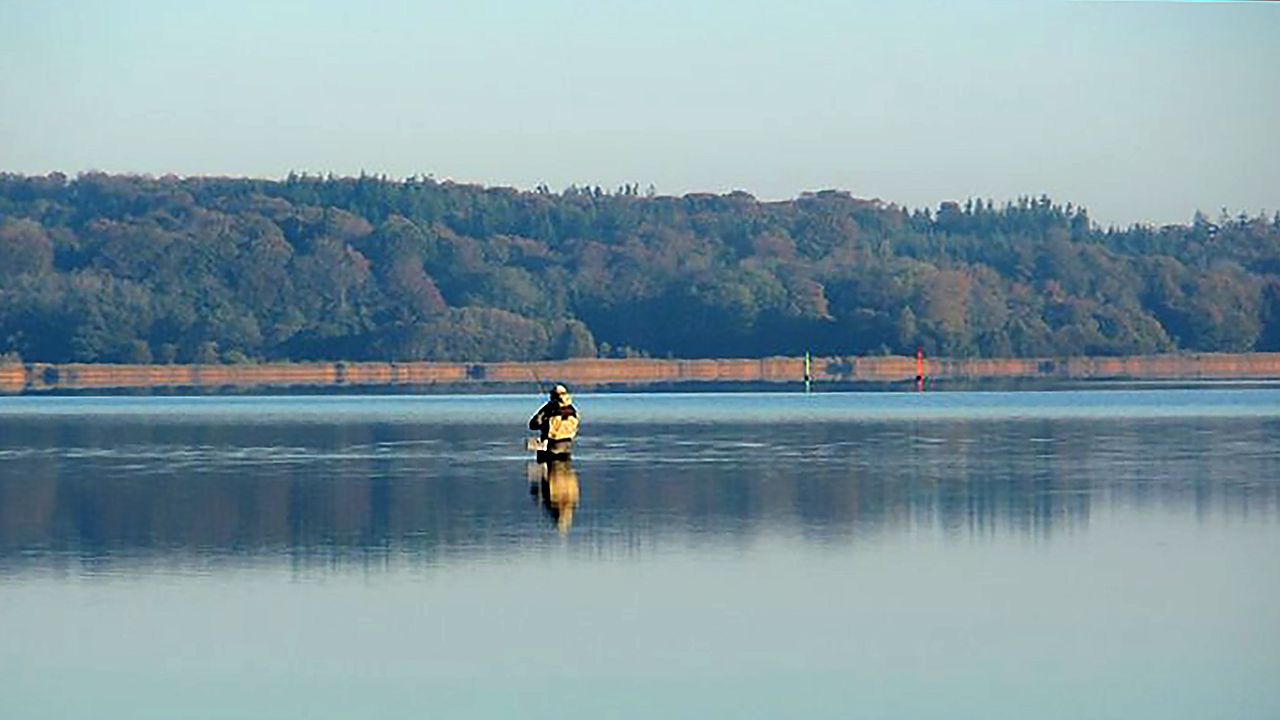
[[996, 555]]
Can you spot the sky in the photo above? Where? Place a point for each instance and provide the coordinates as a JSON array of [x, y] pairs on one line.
[[1140, 111]]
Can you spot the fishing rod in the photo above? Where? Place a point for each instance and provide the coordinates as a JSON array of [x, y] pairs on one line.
[[533, 370], [536, 444]]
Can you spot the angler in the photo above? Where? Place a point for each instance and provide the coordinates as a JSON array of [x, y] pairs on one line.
[[556, 423]]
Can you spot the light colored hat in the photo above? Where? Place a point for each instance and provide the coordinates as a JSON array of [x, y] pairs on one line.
[[560, 394]]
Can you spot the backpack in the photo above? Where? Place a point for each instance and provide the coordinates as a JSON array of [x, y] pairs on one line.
[[562, 428]]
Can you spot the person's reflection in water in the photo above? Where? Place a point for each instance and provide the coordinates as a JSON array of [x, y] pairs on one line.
[[556, 487]]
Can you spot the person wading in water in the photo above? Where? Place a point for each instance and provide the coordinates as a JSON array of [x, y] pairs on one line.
[[557, 425]]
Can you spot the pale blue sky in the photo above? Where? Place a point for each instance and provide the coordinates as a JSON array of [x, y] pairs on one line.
[[1141, 111]]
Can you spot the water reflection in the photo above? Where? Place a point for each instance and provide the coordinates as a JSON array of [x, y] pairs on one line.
[[555, 485], [103, 493]]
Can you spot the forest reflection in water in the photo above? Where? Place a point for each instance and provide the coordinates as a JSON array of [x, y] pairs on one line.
[[104, 492]]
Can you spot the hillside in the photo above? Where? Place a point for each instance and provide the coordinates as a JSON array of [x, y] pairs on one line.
[[107, 268]]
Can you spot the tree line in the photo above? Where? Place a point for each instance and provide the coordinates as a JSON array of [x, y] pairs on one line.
[[115, 268]]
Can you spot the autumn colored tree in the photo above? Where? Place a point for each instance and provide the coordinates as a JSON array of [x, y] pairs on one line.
[[138, 269]]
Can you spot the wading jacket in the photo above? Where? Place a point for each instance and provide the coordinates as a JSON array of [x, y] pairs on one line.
[[554, 421]]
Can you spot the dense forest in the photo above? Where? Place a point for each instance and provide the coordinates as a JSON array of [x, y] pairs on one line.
[[110, 268]]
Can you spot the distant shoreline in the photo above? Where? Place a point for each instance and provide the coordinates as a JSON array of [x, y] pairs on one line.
[[876, 372]]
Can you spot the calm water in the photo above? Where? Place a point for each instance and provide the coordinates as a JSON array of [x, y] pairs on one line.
[[939, 555]]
